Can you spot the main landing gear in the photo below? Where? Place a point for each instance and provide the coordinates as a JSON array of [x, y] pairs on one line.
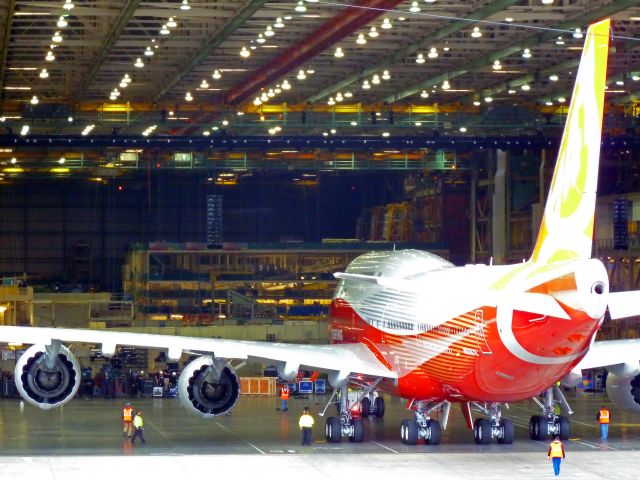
[[372, 405], [348, 424], [422, 426], [549, 424], [486, 429]]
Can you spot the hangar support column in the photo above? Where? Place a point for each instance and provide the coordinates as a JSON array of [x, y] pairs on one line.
[[500, 209]]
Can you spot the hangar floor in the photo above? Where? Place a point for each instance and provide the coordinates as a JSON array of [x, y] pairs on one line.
[[84, 440]]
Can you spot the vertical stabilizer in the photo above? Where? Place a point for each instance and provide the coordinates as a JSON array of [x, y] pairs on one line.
[[566, 231]]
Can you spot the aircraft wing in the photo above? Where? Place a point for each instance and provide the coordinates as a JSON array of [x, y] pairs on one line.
[[612, 353], [341, 359]]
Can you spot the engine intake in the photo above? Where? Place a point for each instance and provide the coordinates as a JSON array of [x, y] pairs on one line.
[[624, 392], [47, 376], [208, 387]]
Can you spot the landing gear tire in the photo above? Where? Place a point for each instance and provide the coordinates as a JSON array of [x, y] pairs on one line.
[[333, 430], [537, 428], [378, 404], [409, 432], [365, 407], [434, 427], [564, 427], [482, 431], [358, 431], [506, 426]]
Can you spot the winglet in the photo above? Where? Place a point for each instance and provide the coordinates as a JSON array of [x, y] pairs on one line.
[[566, 231]]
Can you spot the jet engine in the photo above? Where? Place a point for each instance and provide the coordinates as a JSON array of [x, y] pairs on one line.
[[208, 387], [624, 392], [47, 376]]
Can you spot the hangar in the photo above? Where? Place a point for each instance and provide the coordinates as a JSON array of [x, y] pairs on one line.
[[184, 165]]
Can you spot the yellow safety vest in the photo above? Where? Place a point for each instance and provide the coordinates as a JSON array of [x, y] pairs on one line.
[[604, 415], [138, 422], [556, 449], [306, 421], [126, 414]]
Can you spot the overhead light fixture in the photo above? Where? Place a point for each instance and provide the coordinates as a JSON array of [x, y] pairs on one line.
[[331, 101], [619, 82], [635, 78], [559, 41], [548, 103], [188, 97], [216, 75], [338, 53], [420, 58], [365, 85], [269, 32], [206, 133], [373, 32], [50, 56], [339, 97], [385, 75], [264, 97], [139, 63], [57, 37], [433, 53], [385, 134], [553, 77], [463, 129], [34, 100], [260, 38], [488, 99], [62, 22], [123, 84], [44, 73], [24, 130], [577, 33], [511, 91], [225, 122], [424, 94], [446, 85], [14, 160], [61, 160], [279, 23], [271, 93], [286, 85], [354, 123], [497, 65], [68, 5], [257, 102], [204, 84], [508, 19], [476, 32], [300, 8], [148, 52], [525, 87], [348, 94], [526, 53], [414, 7], [386, 24], [376, 79], [185, 5], [361, 39], [476, 103], [547, 2], [561, 99], [171, 23], [164, 30], [244, 52], [301, 75]]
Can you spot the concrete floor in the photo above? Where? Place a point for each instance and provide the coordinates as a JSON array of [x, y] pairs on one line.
[[84, 440]]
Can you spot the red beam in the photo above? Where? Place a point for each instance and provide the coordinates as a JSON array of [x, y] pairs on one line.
[[330, 33]]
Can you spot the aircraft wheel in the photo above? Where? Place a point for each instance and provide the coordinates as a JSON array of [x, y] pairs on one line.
[[358, 431], [536, 428], [409, 432], [475, 429], [482, 431], [333, 430], [436, 431], [365, 407], [564, 427], [378, 403], [507, 432]]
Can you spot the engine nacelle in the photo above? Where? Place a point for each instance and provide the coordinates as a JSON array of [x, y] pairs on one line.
[[47, 376], [208, 387], [624, 392]]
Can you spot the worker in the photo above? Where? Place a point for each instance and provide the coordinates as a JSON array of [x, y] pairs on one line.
[[284, 396], [556, 454], [306, 423], [603, 417], [127, 419], [138, 424]]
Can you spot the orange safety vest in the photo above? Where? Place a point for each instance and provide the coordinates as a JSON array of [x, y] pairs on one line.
[[284, 393], [126, 414], [604, 415], [555, 449]]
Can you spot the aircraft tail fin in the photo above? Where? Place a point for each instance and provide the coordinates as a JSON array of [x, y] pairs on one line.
[[566, 231]]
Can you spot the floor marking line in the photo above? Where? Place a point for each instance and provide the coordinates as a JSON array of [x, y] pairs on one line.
[[238, 436], [384, 446]]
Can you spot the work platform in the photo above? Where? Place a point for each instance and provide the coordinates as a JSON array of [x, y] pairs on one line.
[[84, 440]]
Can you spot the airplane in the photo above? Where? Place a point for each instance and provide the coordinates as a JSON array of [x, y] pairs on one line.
[[411, 324]]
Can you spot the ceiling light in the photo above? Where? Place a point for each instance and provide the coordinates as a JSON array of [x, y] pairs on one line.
[[561, 99], [476, 32], [257, 102], [24, 130], [216, 75], [433, 53], [44, 73], [139, 63], [204, 84], [271, 93], [123, 84], [553, 78], [269, 32], [264, 97], [365, 85], [559, 41], [310, 71], [148, 52], [34, 100], [50, 56], [244, 52], [373, 33], [68, 5], [463, 129], [386, 24], [188, 97], [488, 99], [445, 85], [420, 58], [171, 23], [70, 119], [635, 78], [511, 91], [526, 53], [619, 82], [164, 30], [339, 97], [185, 5], [348, 94], [331, 101], [496, 65], [476, 103], [260, 39], [525, 87], [339, 53], [225, 122], [385, 134], [300, 7], [508, 19], [361, 39], [385, 75], [424, 94], [14, 160], [62, 22], [577, 33], [126, 78], [548, 103], [286, 85], [375, 80], [417, 124], [301, 75], [333, 131], [547, 2], [279, 23], [414, 7], [206, 133], [354, 123], [57, 37], [62, 160]]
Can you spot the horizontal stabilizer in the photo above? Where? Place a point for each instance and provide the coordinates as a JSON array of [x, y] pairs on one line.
[[624, 304]]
